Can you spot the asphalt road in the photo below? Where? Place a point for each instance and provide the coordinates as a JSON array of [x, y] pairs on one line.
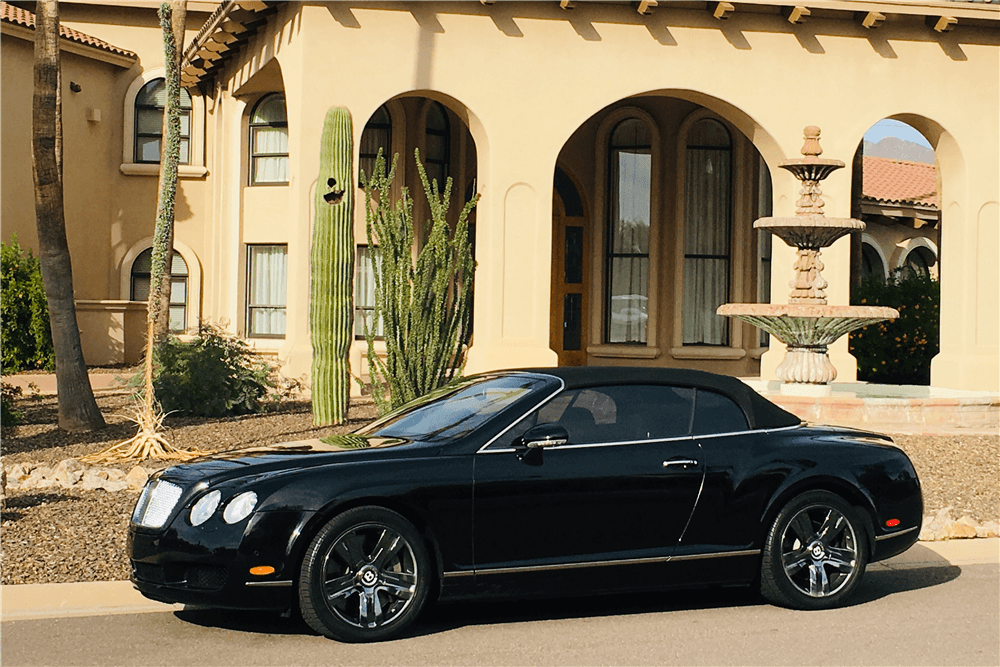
[[933, 614]]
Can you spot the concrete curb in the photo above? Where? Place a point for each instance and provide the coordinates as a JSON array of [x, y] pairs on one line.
[[103, 598], [92, 598]]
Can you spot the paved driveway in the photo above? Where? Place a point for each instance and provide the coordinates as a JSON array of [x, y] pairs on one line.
[[918, 609]]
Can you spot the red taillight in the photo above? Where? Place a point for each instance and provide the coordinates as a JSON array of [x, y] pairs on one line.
[[892, 523]]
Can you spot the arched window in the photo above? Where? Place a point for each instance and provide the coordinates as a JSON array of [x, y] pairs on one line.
[[630, 166], [269, 141], [377, 135], [707, 228], [149, 105], [438, 148], [871, 263], [141, 279]]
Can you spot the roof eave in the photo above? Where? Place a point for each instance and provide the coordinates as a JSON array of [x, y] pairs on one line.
[[69, 46]]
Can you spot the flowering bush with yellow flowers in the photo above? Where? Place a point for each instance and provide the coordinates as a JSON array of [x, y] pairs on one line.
[[900, 351]]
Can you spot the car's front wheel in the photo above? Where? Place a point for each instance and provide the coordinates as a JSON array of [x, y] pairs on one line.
[[815, 553], [364, 577]]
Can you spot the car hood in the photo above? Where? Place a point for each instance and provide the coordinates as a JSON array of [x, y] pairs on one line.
[[297, 455]]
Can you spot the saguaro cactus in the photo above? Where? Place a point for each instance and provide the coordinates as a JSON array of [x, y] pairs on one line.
[[331, 305]]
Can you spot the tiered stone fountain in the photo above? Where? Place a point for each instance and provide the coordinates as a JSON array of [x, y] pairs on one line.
[[807, 325]]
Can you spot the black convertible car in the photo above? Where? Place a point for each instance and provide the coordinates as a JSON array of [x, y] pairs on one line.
[[563, 481]]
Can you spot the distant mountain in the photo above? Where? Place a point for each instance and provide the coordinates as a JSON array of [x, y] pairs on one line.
[[899, 149]]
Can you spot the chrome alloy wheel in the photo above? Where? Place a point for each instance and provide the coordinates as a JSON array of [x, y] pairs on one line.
[[819, 550], [369, 575]]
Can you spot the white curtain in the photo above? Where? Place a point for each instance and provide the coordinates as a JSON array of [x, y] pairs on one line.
[[270, 166], [629, 261], [706, 230], [268, 286], [364, 291]]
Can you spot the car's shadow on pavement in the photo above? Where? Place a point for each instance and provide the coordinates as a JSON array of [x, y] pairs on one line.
[[879, 582]]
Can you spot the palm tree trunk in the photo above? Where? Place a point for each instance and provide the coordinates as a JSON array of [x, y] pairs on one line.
[[178, 18], [77, 408]]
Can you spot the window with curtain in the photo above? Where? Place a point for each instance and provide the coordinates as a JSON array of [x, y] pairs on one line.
[[627, 248], [437, 145], [364, 292], [707, 224], [269, 141], [377, 135], [266, 292], [149, 106], [764, 239], [141, 281]]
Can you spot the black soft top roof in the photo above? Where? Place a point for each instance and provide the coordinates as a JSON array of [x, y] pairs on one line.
[[760, 412]]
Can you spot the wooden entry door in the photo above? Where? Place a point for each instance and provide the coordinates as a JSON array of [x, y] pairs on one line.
[[568, 321]]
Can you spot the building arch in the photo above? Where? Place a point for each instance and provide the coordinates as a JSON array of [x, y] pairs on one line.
[[868, 241], [922, 245]]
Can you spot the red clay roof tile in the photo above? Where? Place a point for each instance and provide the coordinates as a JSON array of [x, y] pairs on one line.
[[899, 181], [17, 16]]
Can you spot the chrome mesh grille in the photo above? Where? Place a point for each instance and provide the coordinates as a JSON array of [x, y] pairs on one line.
[[156, 504]]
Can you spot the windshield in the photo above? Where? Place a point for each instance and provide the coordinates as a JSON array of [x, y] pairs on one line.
[[456, 410]]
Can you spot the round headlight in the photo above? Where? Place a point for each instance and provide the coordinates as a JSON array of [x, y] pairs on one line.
[[205, 508], [240, 507]]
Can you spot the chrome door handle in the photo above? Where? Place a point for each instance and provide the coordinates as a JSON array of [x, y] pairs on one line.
[[679, 462]]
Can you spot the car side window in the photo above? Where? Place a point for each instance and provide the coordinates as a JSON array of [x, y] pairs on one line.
[[715, 413], [617, 413]]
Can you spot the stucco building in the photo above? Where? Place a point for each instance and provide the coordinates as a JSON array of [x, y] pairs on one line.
[[621, 150]]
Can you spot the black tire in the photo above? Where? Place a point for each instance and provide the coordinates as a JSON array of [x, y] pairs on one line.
[[365, 576], [815, 553]]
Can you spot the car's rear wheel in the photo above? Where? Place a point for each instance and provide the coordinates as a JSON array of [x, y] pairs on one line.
[[815, 553], [365, 576]]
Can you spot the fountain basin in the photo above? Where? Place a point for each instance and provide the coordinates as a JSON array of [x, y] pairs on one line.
[[807, 325], [809, 231], [807, 330]]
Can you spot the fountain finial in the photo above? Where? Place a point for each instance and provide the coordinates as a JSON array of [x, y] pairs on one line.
[[811, 145]]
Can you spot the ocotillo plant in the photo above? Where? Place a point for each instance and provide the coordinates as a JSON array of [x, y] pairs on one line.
[[425, 307], [331, 304]]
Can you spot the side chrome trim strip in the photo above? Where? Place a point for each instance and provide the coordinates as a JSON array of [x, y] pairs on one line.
[[270, 584], [896, 534], [718, 554], [457, 573], [601, 563]]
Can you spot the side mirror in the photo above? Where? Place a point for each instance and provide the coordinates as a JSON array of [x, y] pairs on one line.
[[544, 435]]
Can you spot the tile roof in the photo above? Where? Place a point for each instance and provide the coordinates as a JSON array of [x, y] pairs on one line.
[[21, 17], [899, 181]]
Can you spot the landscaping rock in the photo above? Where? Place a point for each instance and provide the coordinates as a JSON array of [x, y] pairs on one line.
[[137, 478], [988, 529], [67, 472]]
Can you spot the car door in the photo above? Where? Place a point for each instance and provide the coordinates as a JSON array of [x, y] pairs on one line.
[[619, 492]]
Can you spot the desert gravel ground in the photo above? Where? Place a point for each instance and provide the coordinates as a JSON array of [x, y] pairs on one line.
[[63, 536]]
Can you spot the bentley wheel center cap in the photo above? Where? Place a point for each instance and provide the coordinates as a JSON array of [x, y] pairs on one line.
[[368, 576]]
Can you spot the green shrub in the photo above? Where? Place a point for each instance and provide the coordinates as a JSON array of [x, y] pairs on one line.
[[900, 351], [24, 312], [8, 415], [213, 375]]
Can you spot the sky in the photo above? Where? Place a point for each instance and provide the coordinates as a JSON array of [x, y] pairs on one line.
[[894, 128]]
